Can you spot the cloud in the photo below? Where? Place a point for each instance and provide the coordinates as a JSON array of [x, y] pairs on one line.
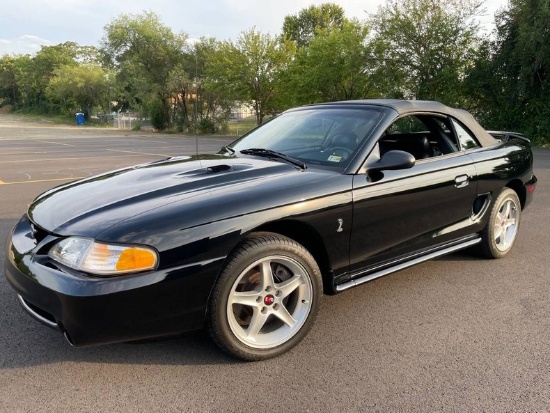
[[24, 44], [30, 37]]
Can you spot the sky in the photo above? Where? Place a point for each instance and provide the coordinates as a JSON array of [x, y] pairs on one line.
[[26, 25]]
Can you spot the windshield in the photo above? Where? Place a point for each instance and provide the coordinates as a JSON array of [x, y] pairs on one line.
[[317, 136]]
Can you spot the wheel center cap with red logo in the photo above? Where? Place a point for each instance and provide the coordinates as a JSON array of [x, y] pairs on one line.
[[269, 299]]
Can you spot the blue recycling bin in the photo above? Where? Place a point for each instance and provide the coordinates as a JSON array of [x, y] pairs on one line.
[[79, 118]]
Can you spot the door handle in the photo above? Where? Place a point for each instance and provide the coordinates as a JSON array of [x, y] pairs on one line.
[[462, 181]]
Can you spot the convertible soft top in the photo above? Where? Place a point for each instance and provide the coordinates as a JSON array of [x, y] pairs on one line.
[[404, 107]]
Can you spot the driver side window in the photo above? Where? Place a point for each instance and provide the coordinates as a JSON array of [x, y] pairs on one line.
[[423, 136], [409, 134]]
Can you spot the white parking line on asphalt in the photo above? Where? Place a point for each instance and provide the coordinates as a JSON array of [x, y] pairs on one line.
[[24, 153], [139, 153], [49, 159], [72, 159], [42, 180], [58, 143]]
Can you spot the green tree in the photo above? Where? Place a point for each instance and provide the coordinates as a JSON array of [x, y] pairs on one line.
[[249, 70], [24, 78], [196, 107], [426, 47], [144, 51], [180, 84], [9, 89], [333, 67], [81, 87], [212, 106], [511, 79], [34, 73], [302, 27]]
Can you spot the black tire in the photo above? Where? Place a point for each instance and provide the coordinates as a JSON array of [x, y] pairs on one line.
[[256, 330], [494, 242]]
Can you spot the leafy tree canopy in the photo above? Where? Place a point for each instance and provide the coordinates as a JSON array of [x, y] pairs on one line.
[[302, 27], [143, 51], [511, 77], [81, 87], [427, 46], [333, 67], [250, 69]]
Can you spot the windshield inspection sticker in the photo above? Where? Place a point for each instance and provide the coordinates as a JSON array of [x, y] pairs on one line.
[[334, 158]]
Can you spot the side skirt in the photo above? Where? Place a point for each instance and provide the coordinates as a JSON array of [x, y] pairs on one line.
[[388, 270]]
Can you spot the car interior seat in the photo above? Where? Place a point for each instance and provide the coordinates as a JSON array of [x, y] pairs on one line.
[[419, 146]]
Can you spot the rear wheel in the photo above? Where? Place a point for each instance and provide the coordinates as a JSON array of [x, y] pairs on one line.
[[501, 231], [266, 298]]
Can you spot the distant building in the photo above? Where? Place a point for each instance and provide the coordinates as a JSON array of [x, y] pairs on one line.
[[242, 111]]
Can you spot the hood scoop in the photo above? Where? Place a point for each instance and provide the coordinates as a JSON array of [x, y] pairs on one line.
[[214, 169], [218, 168], [209, 170]]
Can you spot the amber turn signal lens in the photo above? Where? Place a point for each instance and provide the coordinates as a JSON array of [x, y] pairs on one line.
[[135, 259]]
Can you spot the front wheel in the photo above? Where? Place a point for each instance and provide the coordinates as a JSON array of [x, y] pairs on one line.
[[502, 229], [266, 298]]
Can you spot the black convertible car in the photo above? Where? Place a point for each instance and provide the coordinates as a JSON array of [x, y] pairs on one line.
[[318, 200]]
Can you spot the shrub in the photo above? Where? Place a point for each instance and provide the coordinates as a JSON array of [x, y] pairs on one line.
[[159, 115]]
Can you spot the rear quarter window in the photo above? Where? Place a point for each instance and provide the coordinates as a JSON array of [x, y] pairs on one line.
[[465, 138]]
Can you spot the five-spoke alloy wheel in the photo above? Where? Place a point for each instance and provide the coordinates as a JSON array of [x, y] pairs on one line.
[[501, 231], [266, 298]]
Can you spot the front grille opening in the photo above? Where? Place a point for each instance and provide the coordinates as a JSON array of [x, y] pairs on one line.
[[41, 313]]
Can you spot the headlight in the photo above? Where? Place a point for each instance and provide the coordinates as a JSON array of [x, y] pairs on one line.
[[86, 255]]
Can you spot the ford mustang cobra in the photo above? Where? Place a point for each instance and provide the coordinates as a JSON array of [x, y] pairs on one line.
[[245, 242]]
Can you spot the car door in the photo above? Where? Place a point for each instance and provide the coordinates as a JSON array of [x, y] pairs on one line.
[[397, 213]]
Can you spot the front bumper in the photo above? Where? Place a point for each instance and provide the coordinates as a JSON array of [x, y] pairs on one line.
[[90, 310]]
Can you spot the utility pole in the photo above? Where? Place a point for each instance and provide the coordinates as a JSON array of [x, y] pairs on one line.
[[196, 82]]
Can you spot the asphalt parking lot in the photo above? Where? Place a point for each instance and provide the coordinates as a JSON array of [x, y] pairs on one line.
[[455, 334]]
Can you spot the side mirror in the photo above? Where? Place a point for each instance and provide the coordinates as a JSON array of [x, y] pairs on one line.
[[393, 160]]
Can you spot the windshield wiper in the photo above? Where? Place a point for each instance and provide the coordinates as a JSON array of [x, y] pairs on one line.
[[268, 153]]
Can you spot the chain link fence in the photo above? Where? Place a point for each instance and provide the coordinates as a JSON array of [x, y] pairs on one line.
[[129, 120]]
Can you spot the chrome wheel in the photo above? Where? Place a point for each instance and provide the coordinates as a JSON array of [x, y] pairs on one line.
[[269, 302], [505, 225]]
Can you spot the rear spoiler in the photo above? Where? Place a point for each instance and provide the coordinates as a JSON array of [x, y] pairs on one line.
[[506, 136]]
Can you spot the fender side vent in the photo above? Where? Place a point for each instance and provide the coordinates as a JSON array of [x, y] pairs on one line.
[[480, 206]]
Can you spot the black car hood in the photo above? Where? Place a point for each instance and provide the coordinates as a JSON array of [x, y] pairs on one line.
[[89, 206]]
